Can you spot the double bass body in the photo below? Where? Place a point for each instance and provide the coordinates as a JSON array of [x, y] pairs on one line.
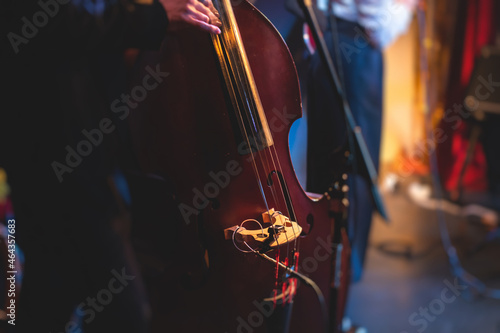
[[187, 132]]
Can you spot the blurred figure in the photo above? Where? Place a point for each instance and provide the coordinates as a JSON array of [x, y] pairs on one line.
[[356, 33], [62, 69]]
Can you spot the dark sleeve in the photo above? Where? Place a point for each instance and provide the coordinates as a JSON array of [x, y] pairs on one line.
[[48, 27], [148, 26], [294, 7]]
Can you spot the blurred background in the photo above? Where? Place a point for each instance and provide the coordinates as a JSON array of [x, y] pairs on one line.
[[429, 71]]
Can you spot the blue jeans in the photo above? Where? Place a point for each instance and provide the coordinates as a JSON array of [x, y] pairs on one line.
[[361, 71]]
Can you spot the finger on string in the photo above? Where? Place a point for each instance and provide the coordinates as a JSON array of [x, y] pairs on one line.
[[205, 26], [196, 15], [205, 8], [212, 8]]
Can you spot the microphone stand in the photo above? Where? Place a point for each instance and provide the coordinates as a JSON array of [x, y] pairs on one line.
[[312, 22]]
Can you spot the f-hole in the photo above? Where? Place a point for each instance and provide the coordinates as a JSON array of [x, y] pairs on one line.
[[270, 181], [286, 196]]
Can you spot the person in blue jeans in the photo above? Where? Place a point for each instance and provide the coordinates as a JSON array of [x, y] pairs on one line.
[[357, 31]]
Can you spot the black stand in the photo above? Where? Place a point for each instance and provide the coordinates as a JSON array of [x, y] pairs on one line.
[[312, 22]]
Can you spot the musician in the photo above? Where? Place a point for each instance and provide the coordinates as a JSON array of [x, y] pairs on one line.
[[61, 69], [356, 33]]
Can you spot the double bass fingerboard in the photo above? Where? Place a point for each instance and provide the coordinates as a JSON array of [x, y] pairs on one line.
[[239, 80]]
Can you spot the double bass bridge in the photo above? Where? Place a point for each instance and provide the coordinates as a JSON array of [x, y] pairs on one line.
[[280, 232]]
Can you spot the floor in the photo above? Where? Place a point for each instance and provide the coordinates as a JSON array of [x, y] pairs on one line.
[[408, 285]]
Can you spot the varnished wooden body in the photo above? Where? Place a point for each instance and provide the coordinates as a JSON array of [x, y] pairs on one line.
[[184, 132]]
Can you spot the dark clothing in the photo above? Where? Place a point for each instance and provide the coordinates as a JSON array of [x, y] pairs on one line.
[[490, 139], [361, 70], [61, 66]]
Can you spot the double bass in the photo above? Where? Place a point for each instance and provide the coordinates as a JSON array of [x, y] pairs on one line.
[[212, 138]]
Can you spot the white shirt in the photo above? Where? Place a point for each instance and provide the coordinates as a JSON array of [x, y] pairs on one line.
[[384, 20]]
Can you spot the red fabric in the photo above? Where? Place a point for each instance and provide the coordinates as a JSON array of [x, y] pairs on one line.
[[475, 176], [479, 31]]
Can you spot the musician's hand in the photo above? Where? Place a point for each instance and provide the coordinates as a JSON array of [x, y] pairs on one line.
[[201, 14]]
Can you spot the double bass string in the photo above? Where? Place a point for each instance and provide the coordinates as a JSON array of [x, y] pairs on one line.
[[244, 78], [245, 89], [232, 63], [238, 79], [226, 59], [224, 45], [296, 243]]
